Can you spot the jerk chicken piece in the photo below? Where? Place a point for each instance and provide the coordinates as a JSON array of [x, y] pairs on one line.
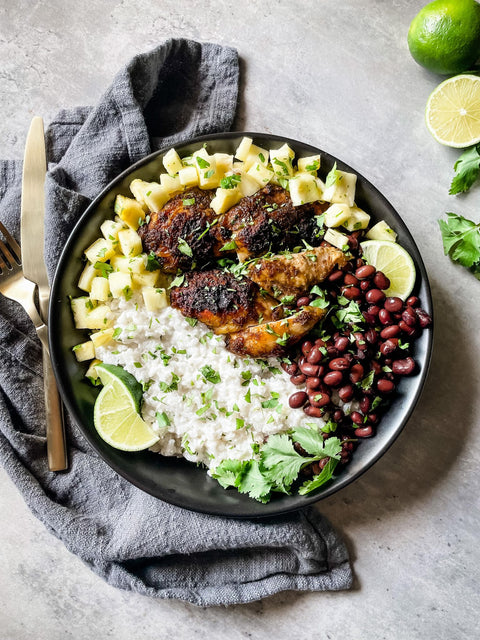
[[274, 338], [222, 302], [295, 274], [179, 234], [268, 221]]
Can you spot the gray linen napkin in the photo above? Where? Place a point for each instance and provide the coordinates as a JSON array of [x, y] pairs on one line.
[[134, 541]]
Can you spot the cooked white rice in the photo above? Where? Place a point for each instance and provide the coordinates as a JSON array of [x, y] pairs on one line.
[[204, 421]]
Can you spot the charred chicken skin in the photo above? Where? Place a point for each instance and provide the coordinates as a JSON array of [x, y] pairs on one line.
[[268, 221], [222, 302], [179, 234], [295, 274], [274, 338]]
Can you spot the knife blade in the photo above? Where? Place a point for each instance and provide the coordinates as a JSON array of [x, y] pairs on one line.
[[34, 269], [33, 213]]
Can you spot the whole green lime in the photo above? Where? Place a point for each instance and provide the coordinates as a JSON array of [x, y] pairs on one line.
[[445, 36]]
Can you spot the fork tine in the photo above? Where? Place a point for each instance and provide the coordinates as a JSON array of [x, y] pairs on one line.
[[12, 244], [7, 255]]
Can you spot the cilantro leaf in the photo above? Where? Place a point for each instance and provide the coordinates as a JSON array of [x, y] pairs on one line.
[[324, 476], [209, 373], [227, 472], [254, 482], [184, 248], [312, 441], [281, 461], [332, 177], [152, 262], [467, 169], [461, 240]]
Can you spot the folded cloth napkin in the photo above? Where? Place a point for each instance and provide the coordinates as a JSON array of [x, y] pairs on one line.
[[134, 541]]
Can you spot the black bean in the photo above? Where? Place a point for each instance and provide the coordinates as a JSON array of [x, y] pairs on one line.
[[404, 367], [393, 304], [367, 271]]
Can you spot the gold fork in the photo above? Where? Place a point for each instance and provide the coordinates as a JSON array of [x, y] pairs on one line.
[[15, 286]]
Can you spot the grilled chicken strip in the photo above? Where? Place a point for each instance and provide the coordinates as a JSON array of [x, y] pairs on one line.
[[222, 302], [295, 274], [273, 338], [179, 234], [268, 221]]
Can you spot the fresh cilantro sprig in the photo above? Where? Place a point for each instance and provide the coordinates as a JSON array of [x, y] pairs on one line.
[[461, 241], [467, 169], [280, 464]]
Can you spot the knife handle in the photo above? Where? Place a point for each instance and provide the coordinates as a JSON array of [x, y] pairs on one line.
[[56, 446]]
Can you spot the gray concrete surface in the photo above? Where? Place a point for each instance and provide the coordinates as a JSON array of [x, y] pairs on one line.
[[337, 74]]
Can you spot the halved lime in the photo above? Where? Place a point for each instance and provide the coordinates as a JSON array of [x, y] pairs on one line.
[[394, 262], [453, 111], [116, 413]]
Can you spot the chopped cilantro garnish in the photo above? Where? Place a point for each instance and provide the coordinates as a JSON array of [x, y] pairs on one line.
[[210, 374], [202, 163], [152, 262], [230, 182], [188, 201], [104, 268], [162, 419], [184, 248]]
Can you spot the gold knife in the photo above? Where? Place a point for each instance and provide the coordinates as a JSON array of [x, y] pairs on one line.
[[34, 269]]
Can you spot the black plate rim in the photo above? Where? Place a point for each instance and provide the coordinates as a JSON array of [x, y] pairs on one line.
[[56, 355]]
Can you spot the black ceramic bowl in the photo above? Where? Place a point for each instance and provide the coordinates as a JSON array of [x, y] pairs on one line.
[[176, 480]]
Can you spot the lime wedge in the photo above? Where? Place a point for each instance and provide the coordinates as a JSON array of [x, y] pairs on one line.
[[394, 262], [453, 111], [116, 413]]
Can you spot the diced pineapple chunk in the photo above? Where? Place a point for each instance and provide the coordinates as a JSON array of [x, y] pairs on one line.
[[172, 162], [100, 251], [243, 148], [155, 196], [100, 289], [188, 177], [137, 264], [224, 199], [129, 265], [86, 277], [130, 211], [120, 263], [248, 186], [148, 279], [87, 315], [110, 229], [138, 188], [341, 187], [208, 175], [309, 164], [238, 167], [357, 219], [84, 351], [224, 162], [337, 239], [92, 371], [101, 338], [381, 231], [336, 215], [256, 155], [303, 189], [155, 299], [130, 242], [260, 174], [120, 284], [281, 160], [171, 184]]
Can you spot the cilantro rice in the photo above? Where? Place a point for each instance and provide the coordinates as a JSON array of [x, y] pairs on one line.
[[206, 404]]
